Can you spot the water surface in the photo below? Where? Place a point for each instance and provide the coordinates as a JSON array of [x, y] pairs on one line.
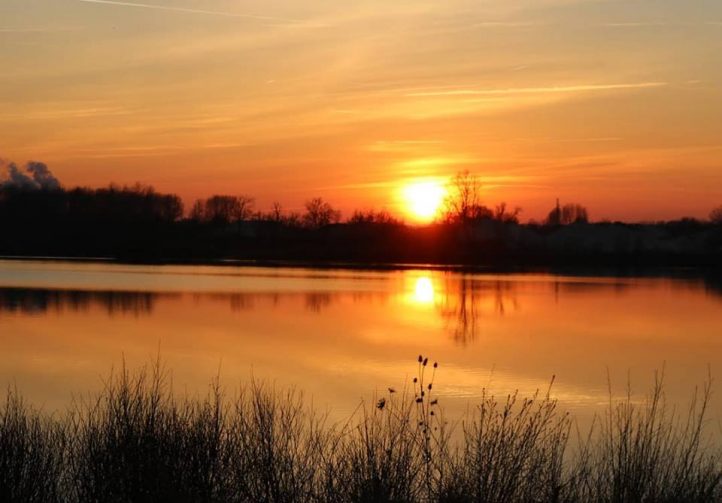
[[342, 335]]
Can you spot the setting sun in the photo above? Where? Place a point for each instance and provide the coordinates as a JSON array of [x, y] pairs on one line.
[[423, 199]]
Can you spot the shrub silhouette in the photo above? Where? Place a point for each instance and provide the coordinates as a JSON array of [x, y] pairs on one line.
[[139, 441]]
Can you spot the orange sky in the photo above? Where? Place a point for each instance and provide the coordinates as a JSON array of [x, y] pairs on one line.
[[617, 105]]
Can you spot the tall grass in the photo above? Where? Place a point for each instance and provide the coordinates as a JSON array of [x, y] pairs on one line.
[[137, 441], [32, 449], [649, 452]]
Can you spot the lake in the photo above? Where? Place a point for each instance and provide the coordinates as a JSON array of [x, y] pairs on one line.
[[342, 335]]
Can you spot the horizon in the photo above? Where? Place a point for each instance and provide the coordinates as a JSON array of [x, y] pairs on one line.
[[611, 105], [248, 234], [424, 201]]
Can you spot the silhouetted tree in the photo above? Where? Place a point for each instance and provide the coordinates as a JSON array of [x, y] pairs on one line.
[[223, 209], [715, 216], [462, 202], [320, 213], [502, 215], [555, 215], [115, 204], [276, 213], [568, 214], [574, 214], [373, 217], [293, 219], [198, 210], [481, 212]]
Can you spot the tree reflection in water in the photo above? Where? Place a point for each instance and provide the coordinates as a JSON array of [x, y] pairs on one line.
[[36, 301], [461, 300], [466, 301]]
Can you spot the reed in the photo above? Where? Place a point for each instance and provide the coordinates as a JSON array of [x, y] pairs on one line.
[[137, 441], [32, 450]]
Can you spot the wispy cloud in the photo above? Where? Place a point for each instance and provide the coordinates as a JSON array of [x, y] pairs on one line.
[[507, 24], [151, 150], [35, 30], [547, 140], [50, 113], [637, 24], [403, 145], [191, 11], [537, 90]]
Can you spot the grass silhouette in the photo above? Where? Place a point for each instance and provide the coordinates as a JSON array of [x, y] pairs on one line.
[[136, 442]]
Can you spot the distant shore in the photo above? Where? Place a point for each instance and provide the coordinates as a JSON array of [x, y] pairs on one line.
[[600, 270], [137, 225]]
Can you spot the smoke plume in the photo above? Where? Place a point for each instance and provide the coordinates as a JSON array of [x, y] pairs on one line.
[[33, 176]]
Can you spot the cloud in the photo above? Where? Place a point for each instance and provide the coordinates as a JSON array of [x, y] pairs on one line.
[[536, 90], [637, 24], [402, 145], [507, 24], [50, 111], [36, 30], [191, 11]]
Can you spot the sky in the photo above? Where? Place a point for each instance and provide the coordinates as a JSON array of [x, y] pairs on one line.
[[613, 104]]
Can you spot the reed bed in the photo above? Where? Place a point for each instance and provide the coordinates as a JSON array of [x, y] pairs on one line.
[[138, 442]]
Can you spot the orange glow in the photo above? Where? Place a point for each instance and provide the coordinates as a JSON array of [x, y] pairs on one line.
[[293, 100], [502, 332], [423, 199], [423, 291]]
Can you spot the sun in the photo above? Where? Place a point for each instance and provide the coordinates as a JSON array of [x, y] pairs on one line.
[[423, 199]]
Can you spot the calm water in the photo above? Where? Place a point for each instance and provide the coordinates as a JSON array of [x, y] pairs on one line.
[[341, 335]]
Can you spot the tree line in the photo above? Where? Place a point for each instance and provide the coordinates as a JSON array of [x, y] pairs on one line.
[[38, 217], [34, 190]]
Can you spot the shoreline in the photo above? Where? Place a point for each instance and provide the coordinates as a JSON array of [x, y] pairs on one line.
[[581, 270]]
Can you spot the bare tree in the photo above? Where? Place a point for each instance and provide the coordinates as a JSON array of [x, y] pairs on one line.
[[276, 214], [503, 215], [481, 212], [373, 217], [462, 203], [198, 210], [320, 213], [244, 207], [223, 209], [572, 213], [715, 216], [293, 219], [555, 215]]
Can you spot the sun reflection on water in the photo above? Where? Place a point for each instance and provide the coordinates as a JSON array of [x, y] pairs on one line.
[[424, 291]]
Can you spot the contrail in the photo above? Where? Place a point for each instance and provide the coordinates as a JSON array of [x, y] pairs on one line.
[[191, 11], [538, 90]]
